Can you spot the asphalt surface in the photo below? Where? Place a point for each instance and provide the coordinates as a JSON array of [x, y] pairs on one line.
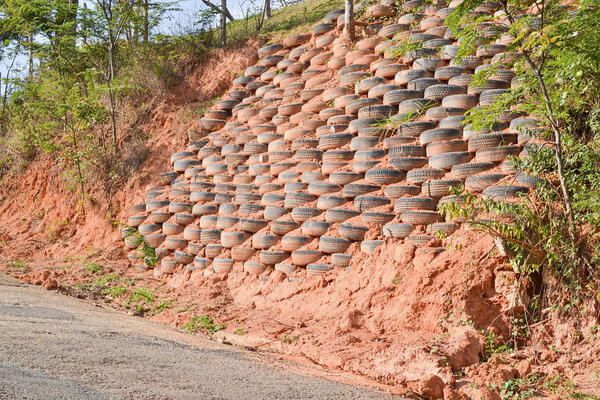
[[57, 347]]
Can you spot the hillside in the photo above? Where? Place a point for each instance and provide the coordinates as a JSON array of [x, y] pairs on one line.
[[302, 196]]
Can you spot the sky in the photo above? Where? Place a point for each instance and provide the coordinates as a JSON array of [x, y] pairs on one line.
[[176, 21]]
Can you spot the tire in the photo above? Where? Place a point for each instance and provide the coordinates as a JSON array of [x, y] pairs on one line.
[[352, 232], [447, 228], [377, 217], [268, 257], [318, 269], [208, 221], [242, 80], [242, 253], [225, 222], [298, 199], [439, 113], [157, 217], [327, 202], [273, 212], [427, 63], [487, 97], [252, 225], [344, 177], [463, 80], [436, 44], [436, 135], [175, 207], [311, 176], [395, 97], [321, 188], [364, 85], [488, 85], [321, 29], [419, 240], [440, 91], [271, 61], [352, 190], [388, 31], [308, 155], [408, 163], [389, 71], [301, 214], [497, 154], [439, 188], [362, 143], [422, 84], [366, 202], [334, 140], [447, 160], [283, 227], [369, 246], [447, 146], [405, 76], [504, 192], [414, 203], [255, 70], [420, 217], [384, 176], [351, 78], [222, 265], [478, 183], [489, 140], [414, 129], [338, 155], [377, 111], [397, 231], [530, 180], [333, 215], [304, 257], [463, 171], [330, 112], [243, 198], [396, 141], [175, 243], [354, 106], [213, 250], [397, 191], [341, 260], [330, 245]]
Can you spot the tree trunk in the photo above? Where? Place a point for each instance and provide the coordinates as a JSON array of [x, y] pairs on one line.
[[145, 18], [112, 115], [267, 12], [223, 23], [349, 19]]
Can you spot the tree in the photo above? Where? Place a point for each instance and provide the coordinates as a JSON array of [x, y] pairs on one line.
[[221, 10], [223, 23], [349, 19], [267, 10], [552, 49]]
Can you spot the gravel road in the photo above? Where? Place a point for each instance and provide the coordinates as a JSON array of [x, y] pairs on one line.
[[57, 347]]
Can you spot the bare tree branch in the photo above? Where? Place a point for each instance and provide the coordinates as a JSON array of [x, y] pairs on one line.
[[225, 11]]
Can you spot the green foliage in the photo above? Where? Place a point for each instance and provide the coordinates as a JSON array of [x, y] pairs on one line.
[[162, 306], [240, 331], [144, 295], [202, 323], [93, 268], [556, 83], [103, 280], [19, 264], [114, 291], [144, 252]]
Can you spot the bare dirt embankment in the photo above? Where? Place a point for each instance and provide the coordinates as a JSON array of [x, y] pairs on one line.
[[410, 320]]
